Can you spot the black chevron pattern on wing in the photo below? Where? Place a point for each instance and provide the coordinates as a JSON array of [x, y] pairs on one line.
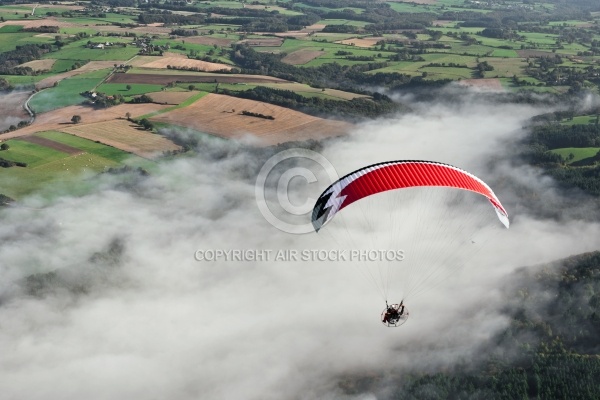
[[320, 211]]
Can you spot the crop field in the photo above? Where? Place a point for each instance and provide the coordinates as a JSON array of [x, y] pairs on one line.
[[67, 92], [9, 41], [61, 118], [492, 42], [163, 79], [582, 119], [308, 91], [211, 40], [447, 72], [263, 42], [299, 88], [64, 65], [300, 57], [405, 67], [221, 115], [325, 22], [23, 79], [30, 153], [189, 101], [534, 53], [485, 84], [86, 70], [10, 15], [280, 10], [408, 8], [572, 49], [10, 29], [112, 89], [171, 97], [39, 65], [123, 135], [579, 153], [505, 53], [445, 58], [182, 62], [361, 42], [117, 53], [505, 67], [48, 167]]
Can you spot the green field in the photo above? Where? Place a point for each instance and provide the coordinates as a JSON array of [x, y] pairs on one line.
[[505, 53], [10, 40], [11, 29], [65, 65], [110, 17], [112, 89], [89, 146], [52, 169], [23, 79], [579, 153], [186, 103], [78, 51], [582, 119], [409, 8], [504, 67], [342, 22], [67, 91]]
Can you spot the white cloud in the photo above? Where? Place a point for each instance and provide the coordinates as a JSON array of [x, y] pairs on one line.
[[156, 323]]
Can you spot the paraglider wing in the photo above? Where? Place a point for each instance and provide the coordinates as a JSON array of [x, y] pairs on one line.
[[392, 175]]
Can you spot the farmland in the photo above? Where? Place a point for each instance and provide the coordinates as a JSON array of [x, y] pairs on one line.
[[424, 41], [577, 153], [104, 294], [51, 169], [67, 92], [221, 116]]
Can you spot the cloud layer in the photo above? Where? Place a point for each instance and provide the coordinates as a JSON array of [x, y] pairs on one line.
[[129, 312]]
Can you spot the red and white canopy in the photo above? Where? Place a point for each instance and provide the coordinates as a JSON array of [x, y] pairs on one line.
[[392, 175]]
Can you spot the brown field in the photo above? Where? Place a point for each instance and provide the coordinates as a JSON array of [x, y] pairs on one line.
[[123, 135], [11, 108], [267, 42], [51, 144], [91, 66], [59, 119], [493, 84], [302, 88], [301, 33], [221, 115], [314, 27], [181, 62], [442, 22], [301, 56], [209, 40], [171, 98], [138, 61], [36, 23], [294, 34], [358, 42], [69, 7], [159, 79], [39, 65]]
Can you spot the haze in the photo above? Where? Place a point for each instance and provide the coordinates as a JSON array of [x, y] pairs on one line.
[[129, 312]]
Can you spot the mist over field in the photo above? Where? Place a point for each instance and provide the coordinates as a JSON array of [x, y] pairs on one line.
[[101, 296], [11, 109]]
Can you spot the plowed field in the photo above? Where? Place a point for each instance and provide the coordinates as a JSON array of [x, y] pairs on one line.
[[222, 116]]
